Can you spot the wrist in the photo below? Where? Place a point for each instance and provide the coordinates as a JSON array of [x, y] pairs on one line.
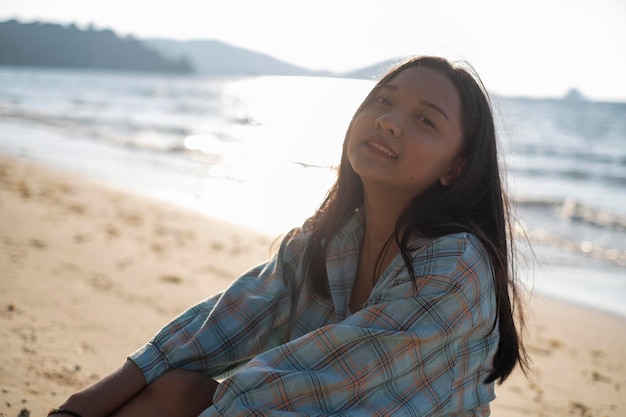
[[63, 411]]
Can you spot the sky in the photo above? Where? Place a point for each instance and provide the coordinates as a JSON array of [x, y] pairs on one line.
[[538, 48]]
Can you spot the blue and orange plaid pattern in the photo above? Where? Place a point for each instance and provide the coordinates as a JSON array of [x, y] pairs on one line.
[[419, 347]]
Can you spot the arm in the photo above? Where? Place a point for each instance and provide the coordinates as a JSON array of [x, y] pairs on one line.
[[420, 347], [211, 337], [201, 339], [107, 395], [222, 332]]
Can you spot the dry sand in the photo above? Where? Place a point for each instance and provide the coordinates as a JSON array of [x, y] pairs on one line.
[[89, 273]]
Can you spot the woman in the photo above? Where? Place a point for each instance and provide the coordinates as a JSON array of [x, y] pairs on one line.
[[396, 298]]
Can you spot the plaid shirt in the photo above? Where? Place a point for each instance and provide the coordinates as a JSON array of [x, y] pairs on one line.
[[419, 347]]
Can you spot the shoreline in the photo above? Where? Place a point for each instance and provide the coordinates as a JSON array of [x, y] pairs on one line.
[[90, 272], [565, 271]]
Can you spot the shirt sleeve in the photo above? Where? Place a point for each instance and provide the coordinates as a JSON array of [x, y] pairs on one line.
[[420, 347], [222, 332]]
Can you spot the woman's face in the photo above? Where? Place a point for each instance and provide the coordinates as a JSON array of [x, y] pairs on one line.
[[408, 135]]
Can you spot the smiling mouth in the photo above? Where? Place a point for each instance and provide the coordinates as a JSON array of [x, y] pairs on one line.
[[382, 149]]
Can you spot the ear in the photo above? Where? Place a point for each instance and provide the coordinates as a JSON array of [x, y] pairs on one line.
[[453, 173]]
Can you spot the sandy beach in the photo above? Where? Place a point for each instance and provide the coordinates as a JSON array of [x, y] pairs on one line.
[[89, 273]]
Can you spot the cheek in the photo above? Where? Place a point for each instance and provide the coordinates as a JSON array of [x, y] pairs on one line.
[[361, 122], [426, 164], [348, 150], [352, 140]]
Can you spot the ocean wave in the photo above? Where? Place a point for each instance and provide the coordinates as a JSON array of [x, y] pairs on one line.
[[608, 254], [570, 225], [139, 135], [596, 156], [571, 209], [574, 174]]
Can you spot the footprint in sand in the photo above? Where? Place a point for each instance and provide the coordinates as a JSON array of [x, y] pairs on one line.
[[579, 409], [217, 246], [171, 279], [111, 231], [598, 377], [555, 344], [77, 208], [38, 243], [597, 353], [131, 218], [24, 189], [101, 282], [79, 238]]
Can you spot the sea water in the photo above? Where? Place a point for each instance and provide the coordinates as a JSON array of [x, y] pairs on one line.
[[261, 151]]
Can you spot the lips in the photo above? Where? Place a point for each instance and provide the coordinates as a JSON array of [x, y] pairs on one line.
[[382, 148]]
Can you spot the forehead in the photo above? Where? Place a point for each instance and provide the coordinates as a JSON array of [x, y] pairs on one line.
[[426, 84]]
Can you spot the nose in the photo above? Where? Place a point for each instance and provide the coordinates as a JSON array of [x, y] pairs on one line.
[[389, 123]]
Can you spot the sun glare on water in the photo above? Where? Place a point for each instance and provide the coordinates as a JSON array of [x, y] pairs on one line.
[[280, 144]]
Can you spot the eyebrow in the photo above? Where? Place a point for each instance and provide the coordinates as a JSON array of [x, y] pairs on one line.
[[423, 102]]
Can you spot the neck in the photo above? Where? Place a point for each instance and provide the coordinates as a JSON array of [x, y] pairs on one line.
[[378, 247], [381, 214], [381, 210]]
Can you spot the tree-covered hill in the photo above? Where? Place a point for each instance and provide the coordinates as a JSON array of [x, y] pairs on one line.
[[53, 45]]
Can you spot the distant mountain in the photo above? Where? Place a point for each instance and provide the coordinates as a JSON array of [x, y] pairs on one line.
[[574, 95], [373, 72], [52, 45], [215, 57]]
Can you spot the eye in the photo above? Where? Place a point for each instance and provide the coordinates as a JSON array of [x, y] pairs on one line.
[[426, 121], [382, 100]]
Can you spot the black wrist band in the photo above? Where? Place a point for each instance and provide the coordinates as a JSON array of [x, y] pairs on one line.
[[63, 411]]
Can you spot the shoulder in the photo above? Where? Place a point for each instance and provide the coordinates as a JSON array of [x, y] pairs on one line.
[[444, 255], [457, 262], [452, 283], [295, 241]]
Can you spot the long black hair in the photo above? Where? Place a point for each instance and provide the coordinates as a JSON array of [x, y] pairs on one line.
[[476, 202]]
